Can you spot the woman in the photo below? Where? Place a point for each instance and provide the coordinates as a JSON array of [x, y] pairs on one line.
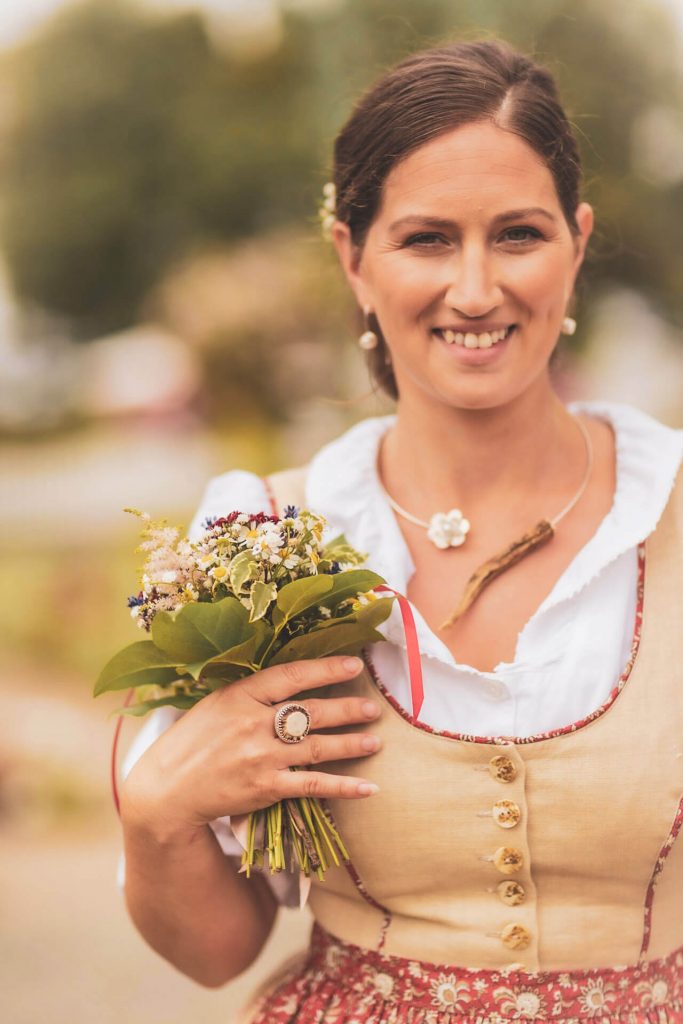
[[519, 858]]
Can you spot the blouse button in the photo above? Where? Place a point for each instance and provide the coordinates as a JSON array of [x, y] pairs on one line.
[[515, 936], [511, 893], [502, 769], [508, 860], [506, 813]]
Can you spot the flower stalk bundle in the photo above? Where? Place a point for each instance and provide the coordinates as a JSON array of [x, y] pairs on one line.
[[253, 591]]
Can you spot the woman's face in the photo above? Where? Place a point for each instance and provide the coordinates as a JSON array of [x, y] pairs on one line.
[[468, 267]]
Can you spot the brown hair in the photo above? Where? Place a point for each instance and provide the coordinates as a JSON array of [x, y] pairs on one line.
[[432, 92]]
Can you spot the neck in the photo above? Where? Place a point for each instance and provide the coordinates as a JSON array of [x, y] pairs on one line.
[[436, 457]]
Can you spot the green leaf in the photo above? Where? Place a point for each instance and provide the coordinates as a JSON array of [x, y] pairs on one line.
[[139, 664], [262, 596], [244, 655], [339, 550], [350, 584], [178, 700], [338, 638], [302, 594], [201, 630], [242, 568]]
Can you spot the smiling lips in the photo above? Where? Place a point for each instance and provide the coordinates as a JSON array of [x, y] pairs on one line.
[[484, 339]]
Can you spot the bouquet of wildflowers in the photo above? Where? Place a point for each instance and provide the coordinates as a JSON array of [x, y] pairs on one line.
[[252, 591]]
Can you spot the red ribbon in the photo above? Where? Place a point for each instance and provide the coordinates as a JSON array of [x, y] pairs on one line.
[[114, 749], [414, 662]]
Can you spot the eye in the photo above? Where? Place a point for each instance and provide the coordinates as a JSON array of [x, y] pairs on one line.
[[423, 238], [522, 234]]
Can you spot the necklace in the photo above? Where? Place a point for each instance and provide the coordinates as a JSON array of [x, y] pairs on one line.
[[450, 529]]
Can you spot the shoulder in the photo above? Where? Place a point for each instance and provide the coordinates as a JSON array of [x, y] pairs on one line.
[[635, 429], [649, 455], [236, 489]]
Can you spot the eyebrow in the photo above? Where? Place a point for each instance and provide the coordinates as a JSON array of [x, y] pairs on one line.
[[440, 222]]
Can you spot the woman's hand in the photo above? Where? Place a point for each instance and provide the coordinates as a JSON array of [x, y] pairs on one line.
[[223, 757]]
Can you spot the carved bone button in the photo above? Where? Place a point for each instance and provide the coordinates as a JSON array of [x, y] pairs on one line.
[[502, 768], [511, 893], [506, 813], [515, 936], [508, 860]]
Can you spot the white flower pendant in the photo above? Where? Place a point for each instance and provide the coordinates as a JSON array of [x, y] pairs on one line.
[[448, 529]]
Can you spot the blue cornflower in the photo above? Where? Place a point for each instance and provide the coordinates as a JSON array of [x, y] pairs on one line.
[[290, 512], [334, 568], [135, 599]]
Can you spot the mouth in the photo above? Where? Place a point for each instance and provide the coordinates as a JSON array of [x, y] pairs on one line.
[[474, 339]]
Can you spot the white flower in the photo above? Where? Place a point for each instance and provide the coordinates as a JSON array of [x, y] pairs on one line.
[[660, 991], [448, 529], [593, 997], [384, 984], [528, 1004], [170, 576], [518, 1004], [446, 991], [267, 543]]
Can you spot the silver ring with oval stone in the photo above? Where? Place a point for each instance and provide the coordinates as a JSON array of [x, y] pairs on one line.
[[292, 723]]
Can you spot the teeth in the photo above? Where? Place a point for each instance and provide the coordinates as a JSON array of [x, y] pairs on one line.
[[472, 340]]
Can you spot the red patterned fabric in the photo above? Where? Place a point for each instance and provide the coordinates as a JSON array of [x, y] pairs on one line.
[[343, 984]]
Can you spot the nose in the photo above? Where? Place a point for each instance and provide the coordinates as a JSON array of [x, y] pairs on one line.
[[473, 286]]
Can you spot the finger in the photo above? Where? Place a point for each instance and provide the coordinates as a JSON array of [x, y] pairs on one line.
[[335, 711], [287, 785], [277, 683], [317, 748]]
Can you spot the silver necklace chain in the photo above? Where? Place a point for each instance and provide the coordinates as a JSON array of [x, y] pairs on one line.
[[456, 527]]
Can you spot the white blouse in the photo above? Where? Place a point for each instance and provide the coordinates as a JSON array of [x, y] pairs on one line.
[[572, 650]]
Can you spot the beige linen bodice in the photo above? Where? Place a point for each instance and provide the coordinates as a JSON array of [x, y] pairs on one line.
[[550, 852]]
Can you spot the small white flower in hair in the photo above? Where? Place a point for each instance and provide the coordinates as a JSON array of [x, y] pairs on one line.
[[327, 210]]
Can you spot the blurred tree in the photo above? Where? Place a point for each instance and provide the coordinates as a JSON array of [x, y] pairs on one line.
[[131, 139]]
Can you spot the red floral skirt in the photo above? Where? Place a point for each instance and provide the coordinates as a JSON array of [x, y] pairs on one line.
[[340, 983]]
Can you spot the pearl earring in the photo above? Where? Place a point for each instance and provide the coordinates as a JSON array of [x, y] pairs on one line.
[[568, 325], [368, 338]]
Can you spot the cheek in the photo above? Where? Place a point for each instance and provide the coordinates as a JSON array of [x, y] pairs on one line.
[[542, 282], [404, 287]]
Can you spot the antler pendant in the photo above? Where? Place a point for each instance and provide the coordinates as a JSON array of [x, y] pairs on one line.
[[486, 573]]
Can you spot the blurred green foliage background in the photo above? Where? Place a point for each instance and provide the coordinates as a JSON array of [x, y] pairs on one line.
[[132, 138], [168, 310]]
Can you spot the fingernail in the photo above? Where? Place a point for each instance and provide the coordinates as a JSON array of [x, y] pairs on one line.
[[368, 788], [369, 743], [352, 664], [370, 709]]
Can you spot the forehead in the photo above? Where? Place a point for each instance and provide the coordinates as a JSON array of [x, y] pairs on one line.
[[479, 167]]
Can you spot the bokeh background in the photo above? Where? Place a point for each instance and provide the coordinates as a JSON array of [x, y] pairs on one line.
[[168, 310]]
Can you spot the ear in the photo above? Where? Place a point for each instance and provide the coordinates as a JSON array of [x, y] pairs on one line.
[[584, 219], [350, 257]]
